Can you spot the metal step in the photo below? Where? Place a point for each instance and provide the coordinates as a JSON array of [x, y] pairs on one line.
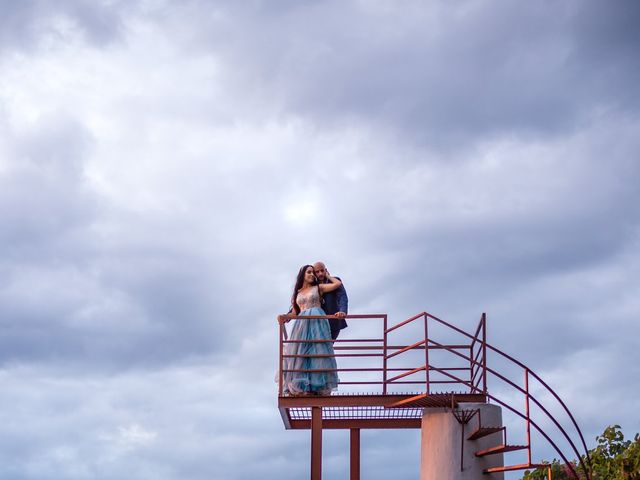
[[510, 468], [483, 432], [500, 449]]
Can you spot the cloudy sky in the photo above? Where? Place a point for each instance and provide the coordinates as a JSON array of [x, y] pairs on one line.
[[166, 167]]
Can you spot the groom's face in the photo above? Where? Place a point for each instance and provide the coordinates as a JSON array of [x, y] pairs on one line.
[[320, 270]]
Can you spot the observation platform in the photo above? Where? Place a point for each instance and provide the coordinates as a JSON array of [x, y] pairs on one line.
[[390, 379], [361, 410], [375, 373]]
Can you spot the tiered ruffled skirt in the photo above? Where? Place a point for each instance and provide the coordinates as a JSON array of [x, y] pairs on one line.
[[324, 379]]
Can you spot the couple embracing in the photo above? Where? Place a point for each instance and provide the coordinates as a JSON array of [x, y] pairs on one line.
[[316, 293]]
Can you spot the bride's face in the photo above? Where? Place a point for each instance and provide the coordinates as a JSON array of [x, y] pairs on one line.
[[309, 276]]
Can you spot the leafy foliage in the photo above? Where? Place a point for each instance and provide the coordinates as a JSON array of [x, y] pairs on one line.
[[613, 459]]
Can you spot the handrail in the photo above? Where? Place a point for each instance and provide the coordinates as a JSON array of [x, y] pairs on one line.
[[520, 364], [407, 348], [409, 320], [528, 419], [281, 318], [481, 365], [530, 396]]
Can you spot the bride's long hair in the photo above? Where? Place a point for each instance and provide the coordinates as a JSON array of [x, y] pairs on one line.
[[298, 286]]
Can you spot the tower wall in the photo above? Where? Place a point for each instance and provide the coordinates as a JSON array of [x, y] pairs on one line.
[[442, 446]]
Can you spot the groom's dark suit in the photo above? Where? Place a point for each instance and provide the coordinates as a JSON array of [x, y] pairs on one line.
[[334, 302]]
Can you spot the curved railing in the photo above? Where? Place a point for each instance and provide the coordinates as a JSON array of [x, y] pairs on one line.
[[477, 382]]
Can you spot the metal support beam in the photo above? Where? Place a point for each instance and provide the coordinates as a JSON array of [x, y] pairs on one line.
[[372, 423], [355, 454], [316, 443]]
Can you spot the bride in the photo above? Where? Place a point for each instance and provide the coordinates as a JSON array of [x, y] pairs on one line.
[[317, 354]]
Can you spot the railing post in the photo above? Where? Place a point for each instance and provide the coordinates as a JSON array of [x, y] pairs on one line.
[[526, 388], [484, 353], [426, 352], [384, 356], [281, 373], [471, 387]]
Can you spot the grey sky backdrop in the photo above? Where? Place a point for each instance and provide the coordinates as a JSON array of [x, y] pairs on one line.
[[166, 167]]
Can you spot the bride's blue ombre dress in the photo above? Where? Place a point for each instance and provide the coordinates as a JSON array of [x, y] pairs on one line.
[[298, 383]]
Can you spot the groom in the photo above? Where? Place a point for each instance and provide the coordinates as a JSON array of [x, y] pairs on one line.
[[334, 303]]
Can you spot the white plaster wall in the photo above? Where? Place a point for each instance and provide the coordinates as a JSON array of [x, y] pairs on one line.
[[441, 445]]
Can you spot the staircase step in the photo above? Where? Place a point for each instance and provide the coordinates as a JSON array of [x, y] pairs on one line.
[[500, 449], [510, 468], [483, 432]]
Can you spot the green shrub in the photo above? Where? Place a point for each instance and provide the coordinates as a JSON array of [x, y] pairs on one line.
[[613, 459]]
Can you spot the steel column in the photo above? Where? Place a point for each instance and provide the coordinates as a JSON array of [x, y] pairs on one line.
[[384, 356], [316, 443], [426, 352], [484, 353], [526, 387], [283, 332], [355, 454]]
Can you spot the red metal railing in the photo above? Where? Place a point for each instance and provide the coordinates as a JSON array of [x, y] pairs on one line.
[[478, 368], [469, 377], [368, 350]]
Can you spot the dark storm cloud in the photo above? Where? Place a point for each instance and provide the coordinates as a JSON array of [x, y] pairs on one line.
[[41, 197], [82, 280], [26, 23], [438, 74], [528, 215]]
